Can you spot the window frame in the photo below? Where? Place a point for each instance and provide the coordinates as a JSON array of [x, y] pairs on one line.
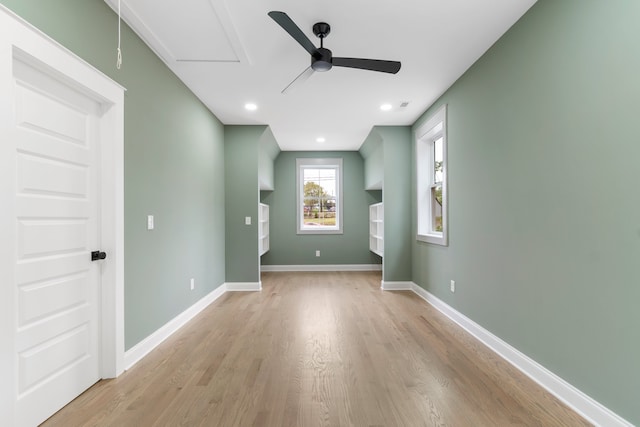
[[318, 163], [434, 128]]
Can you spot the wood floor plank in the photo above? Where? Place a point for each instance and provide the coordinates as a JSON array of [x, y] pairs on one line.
[[319, 349]]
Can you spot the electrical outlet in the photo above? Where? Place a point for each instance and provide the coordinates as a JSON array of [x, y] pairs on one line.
[[193, 284], [453, 286], [317, 253]]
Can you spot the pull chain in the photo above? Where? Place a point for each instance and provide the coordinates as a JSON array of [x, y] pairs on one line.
[[119, 58]]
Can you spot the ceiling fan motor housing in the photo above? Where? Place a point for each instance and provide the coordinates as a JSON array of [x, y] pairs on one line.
[[321, 60]]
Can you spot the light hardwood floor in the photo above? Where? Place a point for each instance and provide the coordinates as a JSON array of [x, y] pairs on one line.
[[319, 349]]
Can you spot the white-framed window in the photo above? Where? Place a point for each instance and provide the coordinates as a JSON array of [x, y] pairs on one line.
[[431, 158], [319, 196]]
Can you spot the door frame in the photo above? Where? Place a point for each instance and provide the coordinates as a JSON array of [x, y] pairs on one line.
[[20, 39]]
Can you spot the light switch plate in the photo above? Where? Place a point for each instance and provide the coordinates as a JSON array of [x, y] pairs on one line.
[[247, 220], [149, 222]]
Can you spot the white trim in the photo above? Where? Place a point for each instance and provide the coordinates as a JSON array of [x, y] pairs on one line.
[[243, 286], [425, 136], [21, 21], [396, 286], [112, 182], [144, 347], [587, 407], [223, 13], [322, 267], [139, 26]]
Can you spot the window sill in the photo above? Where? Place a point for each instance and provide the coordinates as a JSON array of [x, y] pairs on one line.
[[436, 239], [318, 231]]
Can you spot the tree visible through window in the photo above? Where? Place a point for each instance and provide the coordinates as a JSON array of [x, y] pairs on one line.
[[436, 186], [319, 184], [320, 197]]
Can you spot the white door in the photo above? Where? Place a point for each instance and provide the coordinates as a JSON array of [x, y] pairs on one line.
[[56, 228], [61, 197]]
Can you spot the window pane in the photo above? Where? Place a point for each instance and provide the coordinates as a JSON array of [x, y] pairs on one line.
[[438, 159], [431, 179], [436, 208], [319, 197]]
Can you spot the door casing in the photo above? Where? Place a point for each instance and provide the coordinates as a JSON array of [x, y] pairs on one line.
[[19, 39]]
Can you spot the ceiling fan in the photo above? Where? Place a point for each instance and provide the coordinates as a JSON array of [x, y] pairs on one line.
[[322, 58]]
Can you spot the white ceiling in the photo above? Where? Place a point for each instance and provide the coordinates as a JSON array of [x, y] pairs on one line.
[[229, 52]]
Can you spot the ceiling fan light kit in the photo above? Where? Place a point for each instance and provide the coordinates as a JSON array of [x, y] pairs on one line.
[[322, 59]]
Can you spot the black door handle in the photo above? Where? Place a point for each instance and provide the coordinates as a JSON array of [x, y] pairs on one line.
[[96, 255]]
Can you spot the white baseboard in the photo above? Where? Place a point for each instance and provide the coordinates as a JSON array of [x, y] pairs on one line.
[[386, 285], [243, 286], [584, 405], [144, 347], [322, 267]]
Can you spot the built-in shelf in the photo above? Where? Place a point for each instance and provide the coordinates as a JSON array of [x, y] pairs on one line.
[[263, 228], [376, 228]]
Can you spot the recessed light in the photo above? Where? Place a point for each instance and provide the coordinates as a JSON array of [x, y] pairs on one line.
[[386, 107], [250, 106], [320, 139]]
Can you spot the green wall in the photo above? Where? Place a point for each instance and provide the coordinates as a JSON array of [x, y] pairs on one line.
[[242, 153], [173, 166], [396, 195], [544, 236], [289, 248], [544, 168], [268, 150], [372, 152], [387, 154]]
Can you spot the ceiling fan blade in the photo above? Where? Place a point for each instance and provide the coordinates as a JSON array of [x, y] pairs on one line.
[[302, 77], [368, 64], [294, 31]]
